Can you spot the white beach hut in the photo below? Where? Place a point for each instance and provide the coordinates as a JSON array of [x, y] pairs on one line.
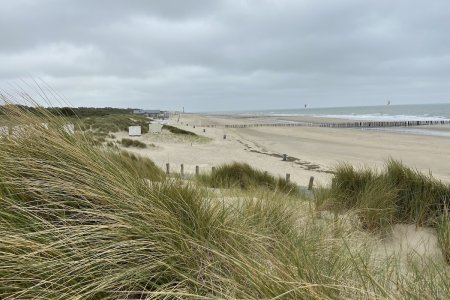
[[155, 127], [134, 130]]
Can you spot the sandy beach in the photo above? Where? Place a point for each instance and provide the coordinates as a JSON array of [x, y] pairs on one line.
[[312, 151]]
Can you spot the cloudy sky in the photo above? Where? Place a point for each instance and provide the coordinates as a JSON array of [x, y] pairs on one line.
[[229, 55]]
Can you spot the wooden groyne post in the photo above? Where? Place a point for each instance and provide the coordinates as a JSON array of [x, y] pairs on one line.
[[311, 182], [167, 168], [182, 170], [197, 170], [288, 177]]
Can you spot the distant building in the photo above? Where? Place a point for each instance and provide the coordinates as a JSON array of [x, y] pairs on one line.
[[155, 114]]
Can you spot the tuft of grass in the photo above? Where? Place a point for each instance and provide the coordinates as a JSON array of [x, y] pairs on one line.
[[138, 166], [242, 175], [420, 197], [132, 143], [177, 130], [376, 205], [413, 196], [349, 184], [397, 195]]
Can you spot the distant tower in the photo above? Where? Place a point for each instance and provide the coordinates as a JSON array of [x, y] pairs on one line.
[[183, 109], [389, 102], [305, 105]]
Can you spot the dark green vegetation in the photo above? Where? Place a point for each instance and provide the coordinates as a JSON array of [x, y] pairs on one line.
[[132, 143], [242, 175], [177, 130], [80, 112], [83, 222], [114, 123]]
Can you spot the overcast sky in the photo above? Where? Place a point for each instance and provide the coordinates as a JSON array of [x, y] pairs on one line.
[[229, 55]]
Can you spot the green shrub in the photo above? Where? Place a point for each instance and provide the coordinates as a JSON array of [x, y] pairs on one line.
[[132, 143]]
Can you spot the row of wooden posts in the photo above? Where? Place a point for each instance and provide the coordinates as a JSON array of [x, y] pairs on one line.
[[360, 124], [197, 172]]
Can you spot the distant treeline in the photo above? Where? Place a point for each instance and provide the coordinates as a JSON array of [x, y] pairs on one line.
[[77, 111]]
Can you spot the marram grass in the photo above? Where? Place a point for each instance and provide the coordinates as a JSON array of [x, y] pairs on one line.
[[80, 221], [242, 175]]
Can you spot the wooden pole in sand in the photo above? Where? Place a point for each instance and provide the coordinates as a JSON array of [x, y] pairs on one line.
[[288, 177], [197, 170], [213, 169], [182, 170], [284, 157], [167, 168], [311, 182]]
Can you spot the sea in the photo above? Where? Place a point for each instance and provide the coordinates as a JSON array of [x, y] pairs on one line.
[[417, 112]]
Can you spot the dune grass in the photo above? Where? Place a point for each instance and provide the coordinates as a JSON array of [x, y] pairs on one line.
[[443, 231], [80, 221], [397, 194], [242, 175]]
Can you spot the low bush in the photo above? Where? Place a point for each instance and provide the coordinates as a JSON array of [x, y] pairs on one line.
[[132, 143], [242, 175]]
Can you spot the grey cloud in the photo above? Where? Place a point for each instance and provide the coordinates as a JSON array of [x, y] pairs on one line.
[[231, 54]]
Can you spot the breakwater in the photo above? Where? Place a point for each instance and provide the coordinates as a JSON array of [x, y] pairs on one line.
[[358, 124]]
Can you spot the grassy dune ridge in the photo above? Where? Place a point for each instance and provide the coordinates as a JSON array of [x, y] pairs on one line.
[[243, 176], [80, 221], [394, 195]]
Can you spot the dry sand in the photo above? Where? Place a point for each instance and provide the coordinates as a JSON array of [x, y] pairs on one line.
[[313, 151]]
